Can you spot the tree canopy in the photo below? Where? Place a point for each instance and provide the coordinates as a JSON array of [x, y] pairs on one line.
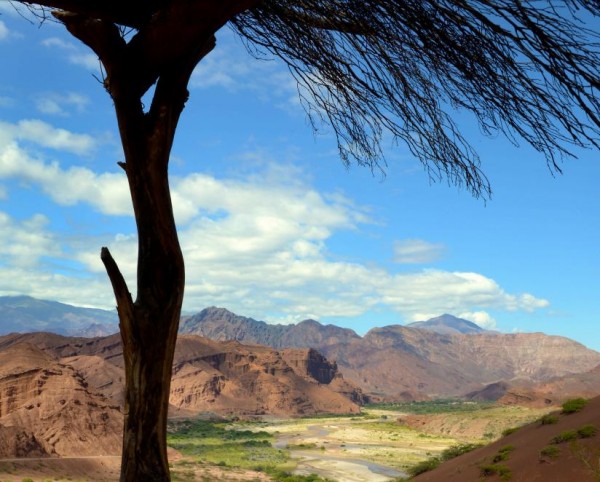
[[379, 71]]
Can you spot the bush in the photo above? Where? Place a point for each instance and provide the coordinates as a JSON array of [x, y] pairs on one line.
[[510, 430], [456, 450], [551, 452], [424, 466], [574, 405], [549, 419], [587, 431], [566, 436], [496, 469], [503, 453]]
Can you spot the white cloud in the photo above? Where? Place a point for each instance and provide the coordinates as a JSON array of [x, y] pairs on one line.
[[257, 246], [481, 318], [23, 243], [58, 104], [107, 192], [415, 251], [3, 30], [75, 54], [45, 135]]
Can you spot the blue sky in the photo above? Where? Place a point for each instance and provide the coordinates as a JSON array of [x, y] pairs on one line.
[[273, 226]]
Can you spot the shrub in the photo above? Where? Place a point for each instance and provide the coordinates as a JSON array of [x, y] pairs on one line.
[[456, 450], [551, 452], [587, 431], [574, 405], [503, 453], [510, 430], [549, 419], [496, 469], [424, 466], [566, 436]]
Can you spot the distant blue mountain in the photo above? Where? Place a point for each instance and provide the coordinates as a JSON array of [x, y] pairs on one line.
[[448, 325], [23, 314]]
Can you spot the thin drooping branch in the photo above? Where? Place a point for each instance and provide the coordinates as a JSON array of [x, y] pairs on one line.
[[373, 69]]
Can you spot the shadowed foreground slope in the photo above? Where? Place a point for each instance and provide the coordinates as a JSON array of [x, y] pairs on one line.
[[532, 455]]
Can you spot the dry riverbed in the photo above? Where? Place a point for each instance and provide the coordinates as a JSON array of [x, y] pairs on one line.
[[376, 446]]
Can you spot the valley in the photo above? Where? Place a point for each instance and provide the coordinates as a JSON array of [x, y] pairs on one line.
[[376, 445], [291, 403]]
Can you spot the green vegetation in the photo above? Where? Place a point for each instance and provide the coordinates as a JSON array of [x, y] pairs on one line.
[[496, 469], [551, 452], [549, 419], [574, 405], [510, 430], [424, 466], [432, 462], [456, 450], [218, 444], [586, 431], [445, 405], [566, 436], [503, 453]]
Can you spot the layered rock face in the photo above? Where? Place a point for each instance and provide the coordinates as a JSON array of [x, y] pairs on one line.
[[251, 379], [47, 408], [226, 378]]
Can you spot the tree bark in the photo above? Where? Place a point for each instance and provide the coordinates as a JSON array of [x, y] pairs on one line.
[[164, 53], [149, 325]]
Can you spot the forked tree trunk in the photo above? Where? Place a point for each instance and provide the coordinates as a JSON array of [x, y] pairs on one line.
[[149, 325], [164, 52]]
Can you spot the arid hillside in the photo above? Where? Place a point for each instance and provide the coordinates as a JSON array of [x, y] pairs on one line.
[[48, 408], [563, 449], [63, 396]]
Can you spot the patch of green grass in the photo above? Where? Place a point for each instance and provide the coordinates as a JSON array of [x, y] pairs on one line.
[[574, 405], [551, 452], [549, 419], [510, 430], [566, 436], [456, 450], [217, 444], [424, 466], [503, 453], [587, 431], [307, 445], [444, 405], [284, 476], [496, 469]]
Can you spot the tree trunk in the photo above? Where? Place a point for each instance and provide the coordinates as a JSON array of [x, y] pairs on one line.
[[149, 325], [163, 53]]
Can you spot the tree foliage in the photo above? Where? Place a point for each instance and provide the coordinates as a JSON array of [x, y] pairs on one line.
[[528, 69], [383, 71]]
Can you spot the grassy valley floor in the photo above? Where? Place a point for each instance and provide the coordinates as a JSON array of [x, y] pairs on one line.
[[381, 444]]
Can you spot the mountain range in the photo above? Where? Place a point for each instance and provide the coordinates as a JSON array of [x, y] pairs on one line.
[[441, 357]]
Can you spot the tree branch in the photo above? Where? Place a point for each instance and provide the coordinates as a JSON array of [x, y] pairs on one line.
[[122, 294]]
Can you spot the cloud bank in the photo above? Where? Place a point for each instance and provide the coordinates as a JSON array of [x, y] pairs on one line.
[[258, 245]]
